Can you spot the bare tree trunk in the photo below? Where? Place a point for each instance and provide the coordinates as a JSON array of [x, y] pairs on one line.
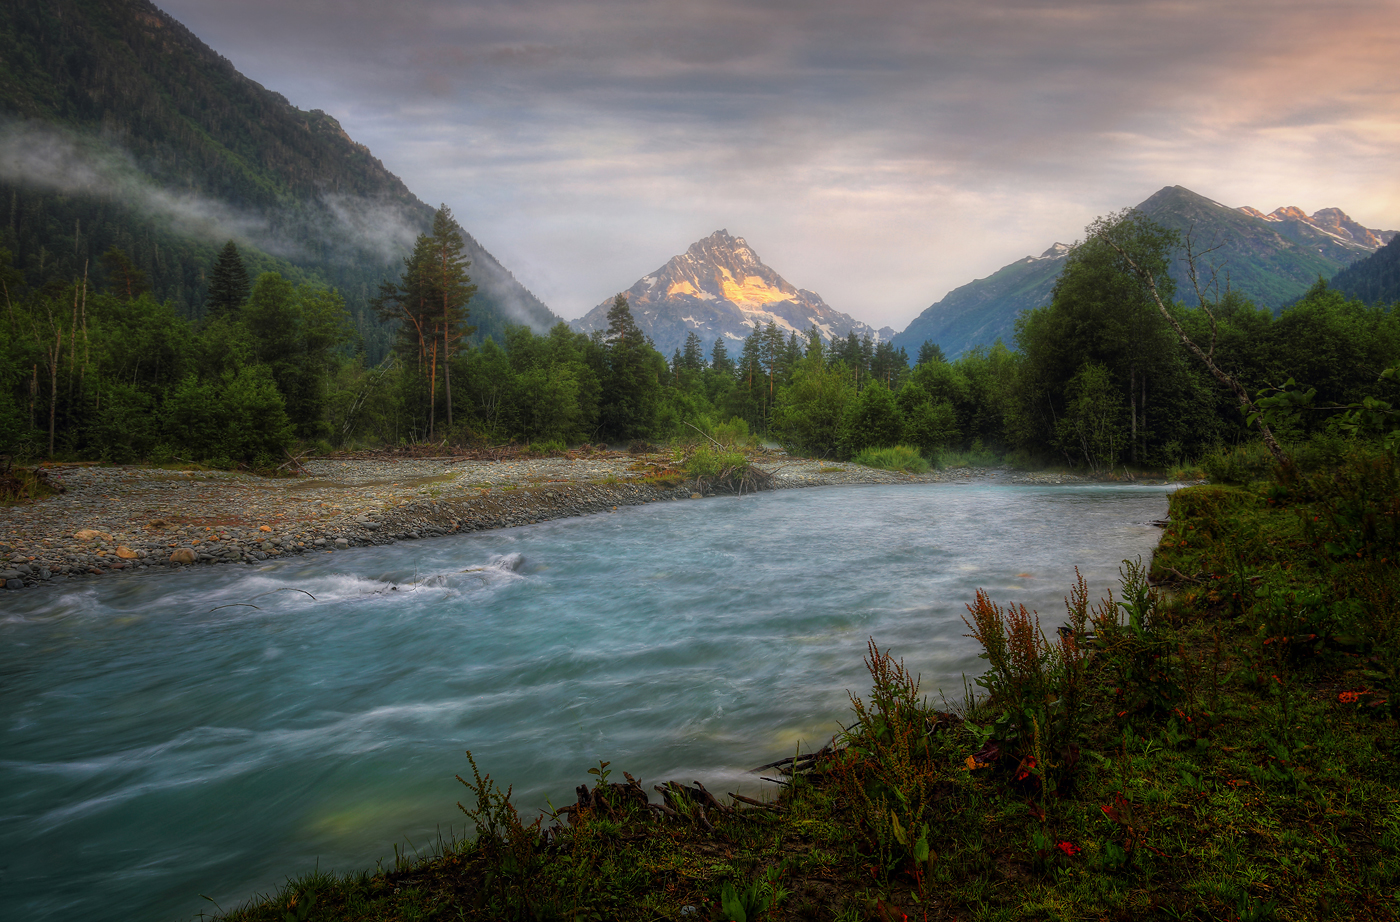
[[54, 358], [1207, 357], [1143, 379], [432, 394], [1132, 402]]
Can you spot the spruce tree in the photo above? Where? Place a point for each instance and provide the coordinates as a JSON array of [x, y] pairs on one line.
[[930, 351], [720, 360], [228, 283]]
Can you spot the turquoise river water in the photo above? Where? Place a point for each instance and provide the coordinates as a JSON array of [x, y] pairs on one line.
[[210, 731]]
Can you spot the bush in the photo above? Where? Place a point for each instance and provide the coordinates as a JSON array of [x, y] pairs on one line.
[[705, 462], [1243, 463], [976, 456], [895, 458], [551, 447]]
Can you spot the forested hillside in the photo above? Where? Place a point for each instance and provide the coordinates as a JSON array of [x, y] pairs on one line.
[[1375, 279], [98, 149]]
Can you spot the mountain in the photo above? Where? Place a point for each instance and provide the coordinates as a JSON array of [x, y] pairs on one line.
[[118, 126], [1272, 259], [719, 287], [1375, 279]]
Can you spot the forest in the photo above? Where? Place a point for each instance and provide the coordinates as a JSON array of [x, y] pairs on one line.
[[96, 368]]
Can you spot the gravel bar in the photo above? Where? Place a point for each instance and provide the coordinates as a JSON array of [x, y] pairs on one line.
[[136, 518]]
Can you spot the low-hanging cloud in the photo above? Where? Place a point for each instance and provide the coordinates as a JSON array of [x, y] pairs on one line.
[[43, 157]]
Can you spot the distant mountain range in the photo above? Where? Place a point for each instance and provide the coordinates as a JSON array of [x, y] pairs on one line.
[[720, 288], [1271, 258], [118, 126]]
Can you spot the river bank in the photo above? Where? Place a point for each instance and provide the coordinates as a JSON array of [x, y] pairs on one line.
[[113, 519]]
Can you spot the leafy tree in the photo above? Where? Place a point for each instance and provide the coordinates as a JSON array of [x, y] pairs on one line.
[[929, 423], [872, 420], [1092, 428], [228, 283], [808, 415]]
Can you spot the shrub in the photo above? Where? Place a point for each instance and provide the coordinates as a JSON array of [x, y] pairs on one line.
[[1242, 463], [895, 458]]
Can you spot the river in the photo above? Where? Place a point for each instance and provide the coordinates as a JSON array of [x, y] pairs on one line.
[[213, 730]]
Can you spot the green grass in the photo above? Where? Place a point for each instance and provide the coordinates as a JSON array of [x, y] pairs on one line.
[[1223, 752], [896, 458], [973, 457]]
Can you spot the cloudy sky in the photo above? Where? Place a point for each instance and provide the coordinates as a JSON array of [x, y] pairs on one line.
[[879, 153]]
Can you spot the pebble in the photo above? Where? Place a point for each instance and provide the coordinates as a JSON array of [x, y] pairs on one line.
[[124, 518]]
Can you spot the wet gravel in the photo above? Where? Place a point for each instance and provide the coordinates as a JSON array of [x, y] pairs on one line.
[[123, 518]]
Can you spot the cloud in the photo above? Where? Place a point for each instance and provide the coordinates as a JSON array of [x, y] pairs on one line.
[[46, 158], [879, 153], [41, 156]]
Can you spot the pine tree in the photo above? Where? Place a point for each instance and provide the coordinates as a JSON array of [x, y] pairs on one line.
[[719, 358], [452, 288], [430, 301], [693, 357], [228, 283], [930, 351]]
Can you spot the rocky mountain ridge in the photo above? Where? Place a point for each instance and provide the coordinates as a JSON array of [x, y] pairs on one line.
[[719, 287]]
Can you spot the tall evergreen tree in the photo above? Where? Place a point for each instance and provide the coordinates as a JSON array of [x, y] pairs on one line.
[[630, 393], [693, 357], [429, 301], [930, 351], [452, 288], [228, 283], [719, 358]]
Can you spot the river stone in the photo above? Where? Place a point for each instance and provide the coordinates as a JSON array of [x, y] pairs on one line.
[[14, 583], [9, 574], [695, 496], [182, 555], [126, 553], [88, 534], [342, 543], [319, 542]]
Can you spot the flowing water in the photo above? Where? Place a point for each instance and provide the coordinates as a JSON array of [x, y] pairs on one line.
[[210, 731]]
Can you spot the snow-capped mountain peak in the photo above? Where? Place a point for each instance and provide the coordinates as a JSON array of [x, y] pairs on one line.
[[719, 287]]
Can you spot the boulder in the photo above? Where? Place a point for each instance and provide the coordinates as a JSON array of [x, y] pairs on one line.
[[182, 555]]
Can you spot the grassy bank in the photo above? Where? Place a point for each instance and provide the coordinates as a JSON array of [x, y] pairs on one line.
[[1217, 742]]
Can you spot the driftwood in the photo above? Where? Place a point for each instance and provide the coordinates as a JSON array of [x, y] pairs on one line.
[[757, 803]]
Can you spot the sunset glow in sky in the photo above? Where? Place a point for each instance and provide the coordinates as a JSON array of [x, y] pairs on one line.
[[878, 153]]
